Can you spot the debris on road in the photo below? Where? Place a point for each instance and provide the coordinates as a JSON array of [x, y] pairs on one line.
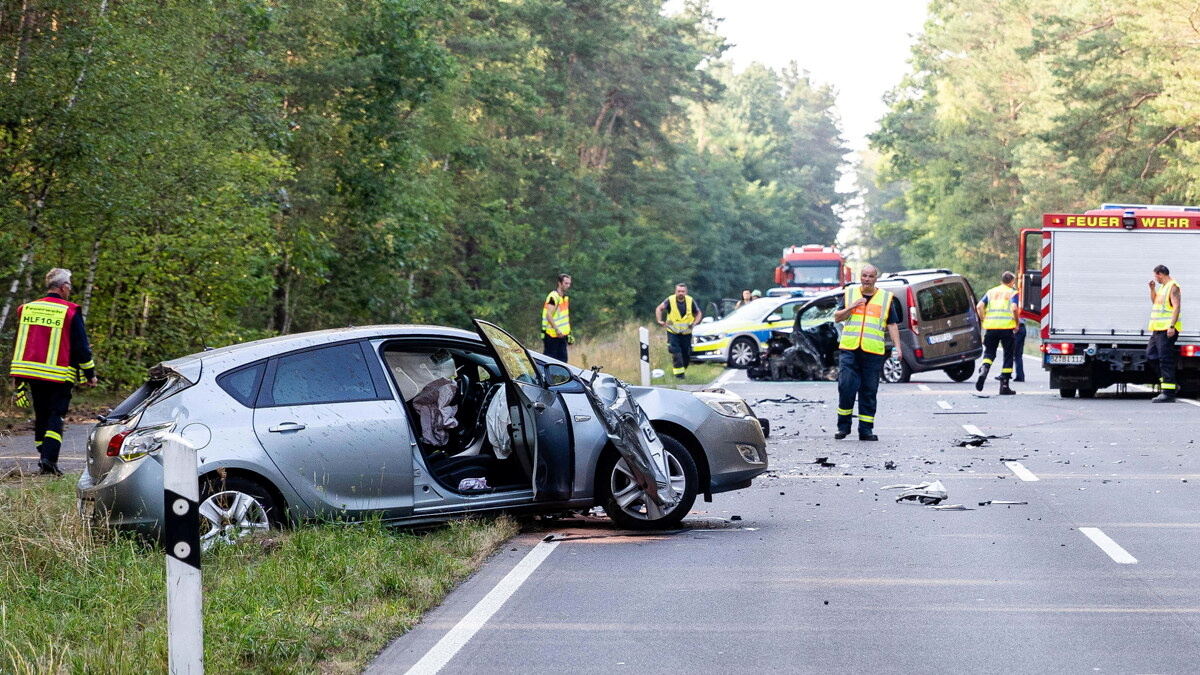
[[790, 398], [927, 493], [1002, 502], [824, 461], [889, 465], [951, 507], [978, 440]]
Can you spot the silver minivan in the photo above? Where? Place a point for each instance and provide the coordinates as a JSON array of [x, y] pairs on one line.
[[940, 329], [411, 424]]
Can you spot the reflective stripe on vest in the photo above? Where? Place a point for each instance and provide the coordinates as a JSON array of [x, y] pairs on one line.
[[43, 349], [1000, 309], [1160, 313], [556, 318], [680, 323], [865, 325]]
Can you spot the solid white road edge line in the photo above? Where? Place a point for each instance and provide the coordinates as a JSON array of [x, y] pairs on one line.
[[441, 653], [923, 387], [1140, 387], [725, 377], [972, 429], [944, 405], [1021, 472], [1106, 544]]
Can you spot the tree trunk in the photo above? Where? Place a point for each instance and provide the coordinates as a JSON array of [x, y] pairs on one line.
[[26, 257], [90, 282]]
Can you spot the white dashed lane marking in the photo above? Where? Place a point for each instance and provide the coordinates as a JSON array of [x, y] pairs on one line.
[[972, 429], [944, 405], [1106, 544], [1021, 472]]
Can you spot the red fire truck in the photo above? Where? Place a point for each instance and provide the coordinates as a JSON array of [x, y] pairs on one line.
[[1083, 279], [812, 267]]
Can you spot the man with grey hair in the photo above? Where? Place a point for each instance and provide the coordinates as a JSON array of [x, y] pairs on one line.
[[51, 355], [870, 315]]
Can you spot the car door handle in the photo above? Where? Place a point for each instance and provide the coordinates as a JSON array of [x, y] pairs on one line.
[[286, 426], [539, 406]]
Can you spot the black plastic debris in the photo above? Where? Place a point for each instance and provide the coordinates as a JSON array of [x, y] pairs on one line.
[[824, 461], [790, 398], [889, 465], [978, 440]]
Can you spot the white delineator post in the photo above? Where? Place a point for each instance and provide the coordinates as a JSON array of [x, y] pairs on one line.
[[644, 340], [181, 537]]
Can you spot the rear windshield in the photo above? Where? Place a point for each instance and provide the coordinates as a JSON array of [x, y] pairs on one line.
[[942, 301], [130, 405]]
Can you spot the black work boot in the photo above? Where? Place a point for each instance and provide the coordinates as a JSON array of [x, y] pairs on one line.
[[867, 435], [983, 372], [1005, 390]]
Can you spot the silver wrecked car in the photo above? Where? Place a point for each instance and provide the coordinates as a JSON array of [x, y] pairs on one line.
[[412, 424]]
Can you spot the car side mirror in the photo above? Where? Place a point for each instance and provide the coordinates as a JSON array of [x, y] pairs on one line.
[[775, 317], [557, 375]]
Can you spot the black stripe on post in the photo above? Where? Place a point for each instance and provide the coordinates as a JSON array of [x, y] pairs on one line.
[[181, 528], [645, 355]]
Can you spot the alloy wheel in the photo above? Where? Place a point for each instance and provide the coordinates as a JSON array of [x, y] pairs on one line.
[[893, 370], [229, 516], [741, 354], [631, 499]]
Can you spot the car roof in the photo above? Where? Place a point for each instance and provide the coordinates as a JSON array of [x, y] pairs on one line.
[[246, 352], [916, 276]]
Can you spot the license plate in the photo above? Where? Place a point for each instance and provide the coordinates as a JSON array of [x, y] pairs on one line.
[[937, 339], [1064, 359]]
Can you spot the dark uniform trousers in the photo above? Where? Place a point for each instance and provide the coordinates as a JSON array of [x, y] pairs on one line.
[[1161, 350], [555, 347], [680, 347], [858, 376], [50, 403], [1003, 337]]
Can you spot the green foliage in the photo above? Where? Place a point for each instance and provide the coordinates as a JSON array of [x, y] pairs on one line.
[[1022, 107], [217, 171]]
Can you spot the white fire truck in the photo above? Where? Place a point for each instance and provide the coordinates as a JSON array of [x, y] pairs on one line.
[[1084, 279]]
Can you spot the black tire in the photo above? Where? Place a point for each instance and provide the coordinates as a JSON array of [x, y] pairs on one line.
[[220, 496], [1067, 392], [895, 370], [743, 353], [961, 372], [1087, 392], [623, 517]]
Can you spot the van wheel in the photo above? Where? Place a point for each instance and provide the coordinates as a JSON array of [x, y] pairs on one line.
[[1067, 392], [626, 504], [895, 370], [1087, 392], [962, 372], [743, 353], [233, 509]]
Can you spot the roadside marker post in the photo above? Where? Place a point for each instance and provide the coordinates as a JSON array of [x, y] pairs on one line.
[[644, 344], [181, 537]]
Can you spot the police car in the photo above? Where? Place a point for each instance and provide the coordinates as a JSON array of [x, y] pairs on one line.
[[738, 338]]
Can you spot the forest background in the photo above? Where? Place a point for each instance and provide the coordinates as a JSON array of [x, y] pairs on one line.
[[224, 170]]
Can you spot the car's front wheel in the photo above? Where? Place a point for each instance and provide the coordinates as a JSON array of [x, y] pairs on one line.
[[962, 372], [743, 352], [628, 505], [234, 508]]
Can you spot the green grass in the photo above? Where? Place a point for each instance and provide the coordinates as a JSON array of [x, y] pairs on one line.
[[316, 599], [618, 353]]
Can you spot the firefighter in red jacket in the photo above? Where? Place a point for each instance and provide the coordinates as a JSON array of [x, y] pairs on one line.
[[51, 355]]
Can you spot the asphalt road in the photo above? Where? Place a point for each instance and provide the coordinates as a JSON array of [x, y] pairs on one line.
[[19, 455], [822, 571]]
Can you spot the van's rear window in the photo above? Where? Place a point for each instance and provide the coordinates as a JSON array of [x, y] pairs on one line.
[[942, 301]]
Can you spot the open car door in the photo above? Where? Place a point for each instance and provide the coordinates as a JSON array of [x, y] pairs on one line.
[[539, 427]]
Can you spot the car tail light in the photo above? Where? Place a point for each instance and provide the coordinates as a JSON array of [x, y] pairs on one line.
[[1058, 348], [912, 314], [919, 353], [115, 443], [1190, 350]]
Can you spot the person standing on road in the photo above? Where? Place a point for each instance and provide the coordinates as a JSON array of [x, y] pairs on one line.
[[867, 311], [682, 314], [1165, 325], [1000, 310], [556, 320], [745, 299], [50, 356]]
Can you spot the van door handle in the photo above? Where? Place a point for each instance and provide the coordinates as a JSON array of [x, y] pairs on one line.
[[286, 426], [539, 406]]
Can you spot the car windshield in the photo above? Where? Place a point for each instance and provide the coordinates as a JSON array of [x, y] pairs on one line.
[[821, 273], [754, 310], [942, 301]]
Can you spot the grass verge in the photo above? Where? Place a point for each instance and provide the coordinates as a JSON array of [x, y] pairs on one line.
[[618, 353], [316, 599]]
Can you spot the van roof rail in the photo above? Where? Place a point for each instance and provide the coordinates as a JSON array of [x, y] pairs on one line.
[[913, 273]]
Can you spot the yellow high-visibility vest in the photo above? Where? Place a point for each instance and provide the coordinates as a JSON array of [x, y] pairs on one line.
[[556, 315], [999, 314], [43, 347], [680, 323], [1160, 313], [865, 326]]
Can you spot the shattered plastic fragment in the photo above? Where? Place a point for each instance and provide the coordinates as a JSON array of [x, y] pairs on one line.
[[925, 493], [951, 507], [1001, 502]]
